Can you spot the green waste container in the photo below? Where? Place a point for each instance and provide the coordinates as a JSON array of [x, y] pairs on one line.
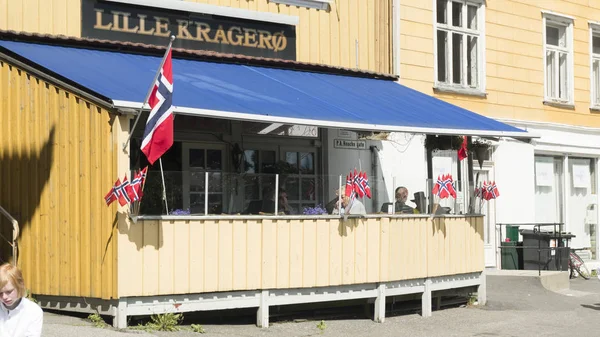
[[512, 232], [509, 256]]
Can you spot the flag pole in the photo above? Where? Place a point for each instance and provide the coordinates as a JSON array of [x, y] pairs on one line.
[[162, 62], [162, 173]]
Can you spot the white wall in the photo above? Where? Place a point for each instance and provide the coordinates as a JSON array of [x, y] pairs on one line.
[[401, 157], [514, 175]]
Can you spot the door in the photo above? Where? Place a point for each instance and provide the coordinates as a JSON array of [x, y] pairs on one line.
[[490, 243], [198, 159]]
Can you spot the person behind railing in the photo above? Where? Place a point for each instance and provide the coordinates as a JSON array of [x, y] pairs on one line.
[[19, 317], [350, 206], [401, 195], [267, 204]]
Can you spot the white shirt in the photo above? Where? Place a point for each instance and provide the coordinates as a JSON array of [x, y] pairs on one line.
[[23, 321]]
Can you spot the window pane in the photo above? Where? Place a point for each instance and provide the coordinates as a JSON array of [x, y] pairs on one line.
[[197, 181], [562, 37], [250, 161], [215, 183], [472, 17], [214, 159], [441, 11], [308, 189], [550, 74], [196, 203], [292, 158], [457, 57], [563, 80], [472, 61], [457, 14], [442, 52], [251, 188], [596, 67], [292, 186], [268, 161], [552, 36], [215, 204], [307, 165], [596, 44], [197, 158]]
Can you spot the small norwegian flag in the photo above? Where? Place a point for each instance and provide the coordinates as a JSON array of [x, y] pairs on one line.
[[111, 196]]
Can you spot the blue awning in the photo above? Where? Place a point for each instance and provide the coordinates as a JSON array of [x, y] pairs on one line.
[[254, 93]]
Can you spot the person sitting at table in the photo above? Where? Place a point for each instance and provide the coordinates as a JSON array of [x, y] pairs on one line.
[[350, 206], [401, 195]]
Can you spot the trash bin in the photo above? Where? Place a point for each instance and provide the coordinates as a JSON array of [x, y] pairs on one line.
[[545, 259], [509, 256], [512, 232]]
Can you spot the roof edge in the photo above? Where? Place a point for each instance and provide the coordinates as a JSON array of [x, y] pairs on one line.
[[200, 55]]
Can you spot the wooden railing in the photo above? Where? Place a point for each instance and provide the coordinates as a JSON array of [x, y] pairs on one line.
[[15, 233], [178, 256]]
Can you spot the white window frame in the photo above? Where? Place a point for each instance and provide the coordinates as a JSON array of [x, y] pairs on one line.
[[594, 30], [318, 4], [449, 86], [559, 20]]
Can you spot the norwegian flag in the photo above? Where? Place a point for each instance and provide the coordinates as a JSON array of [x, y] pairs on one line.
[[463, 152], [444, 187], [111, 196], [365, 185], [158, 134], [129, 189], [484, 191], [356, 183], [136, 186], [492, 191], [349, 185], [361, 184], [477, 192], [121, 193]]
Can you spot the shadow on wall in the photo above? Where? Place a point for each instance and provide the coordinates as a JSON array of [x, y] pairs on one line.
[[23, 177]]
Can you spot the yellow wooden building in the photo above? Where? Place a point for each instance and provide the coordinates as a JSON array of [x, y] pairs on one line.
[[67, 114]]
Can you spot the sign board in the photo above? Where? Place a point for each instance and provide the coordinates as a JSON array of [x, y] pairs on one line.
[[350, 144], [124, 22], [346, 134]]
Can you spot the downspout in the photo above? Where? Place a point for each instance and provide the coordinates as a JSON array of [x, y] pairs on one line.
[[374, 168], [396, 37]]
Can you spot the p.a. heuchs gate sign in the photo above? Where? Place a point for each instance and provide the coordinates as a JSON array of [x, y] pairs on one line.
[[123, 22]]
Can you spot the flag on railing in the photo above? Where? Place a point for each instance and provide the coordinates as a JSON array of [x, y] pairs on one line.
[[111, 196], [158, 134], [444, 187]]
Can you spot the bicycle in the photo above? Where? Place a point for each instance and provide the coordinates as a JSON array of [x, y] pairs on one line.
[[577, 264]]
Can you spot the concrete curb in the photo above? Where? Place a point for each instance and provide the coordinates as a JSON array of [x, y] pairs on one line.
[[551, 280]]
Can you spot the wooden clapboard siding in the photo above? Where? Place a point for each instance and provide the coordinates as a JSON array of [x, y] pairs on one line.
[[161, 257], [58, 158], [327, 37], [514, 59]]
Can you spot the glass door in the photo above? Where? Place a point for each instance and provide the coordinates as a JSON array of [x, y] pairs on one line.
[[581, 203], [549, 189], [490, 241]]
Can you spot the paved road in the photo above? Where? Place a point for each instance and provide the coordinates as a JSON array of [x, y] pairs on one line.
[[517, 306]]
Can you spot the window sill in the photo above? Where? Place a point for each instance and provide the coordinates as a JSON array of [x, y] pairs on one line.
[[562, 105], [595, 108], [459, 91], [318, 4]]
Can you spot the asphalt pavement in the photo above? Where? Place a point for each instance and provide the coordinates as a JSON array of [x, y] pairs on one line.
[[517, 306]]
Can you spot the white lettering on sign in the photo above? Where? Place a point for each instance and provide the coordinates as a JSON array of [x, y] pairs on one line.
[[349, 144]]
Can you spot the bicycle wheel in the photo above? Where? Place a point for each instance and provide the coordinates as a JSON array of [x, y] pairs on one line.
[[580, 266]]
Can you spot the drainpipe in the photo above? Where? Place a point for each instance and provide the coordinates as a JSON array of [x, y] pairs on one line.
[[396, 37], [374, 169]]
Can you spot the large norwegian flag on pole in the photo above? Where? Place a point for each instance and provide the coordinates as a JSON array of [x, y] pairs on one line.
[[158, 135]]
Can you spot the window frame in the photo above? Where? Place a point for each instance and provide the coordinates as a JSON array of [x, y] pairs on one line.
[[317, 4], [594, 30], [449, 86], [559, 20]]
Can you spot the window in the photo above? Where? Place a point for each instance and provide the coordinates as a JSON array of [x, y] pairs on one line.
[[558, 58], [197, 160], [595, 65], [318, 4], [459, 44]]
